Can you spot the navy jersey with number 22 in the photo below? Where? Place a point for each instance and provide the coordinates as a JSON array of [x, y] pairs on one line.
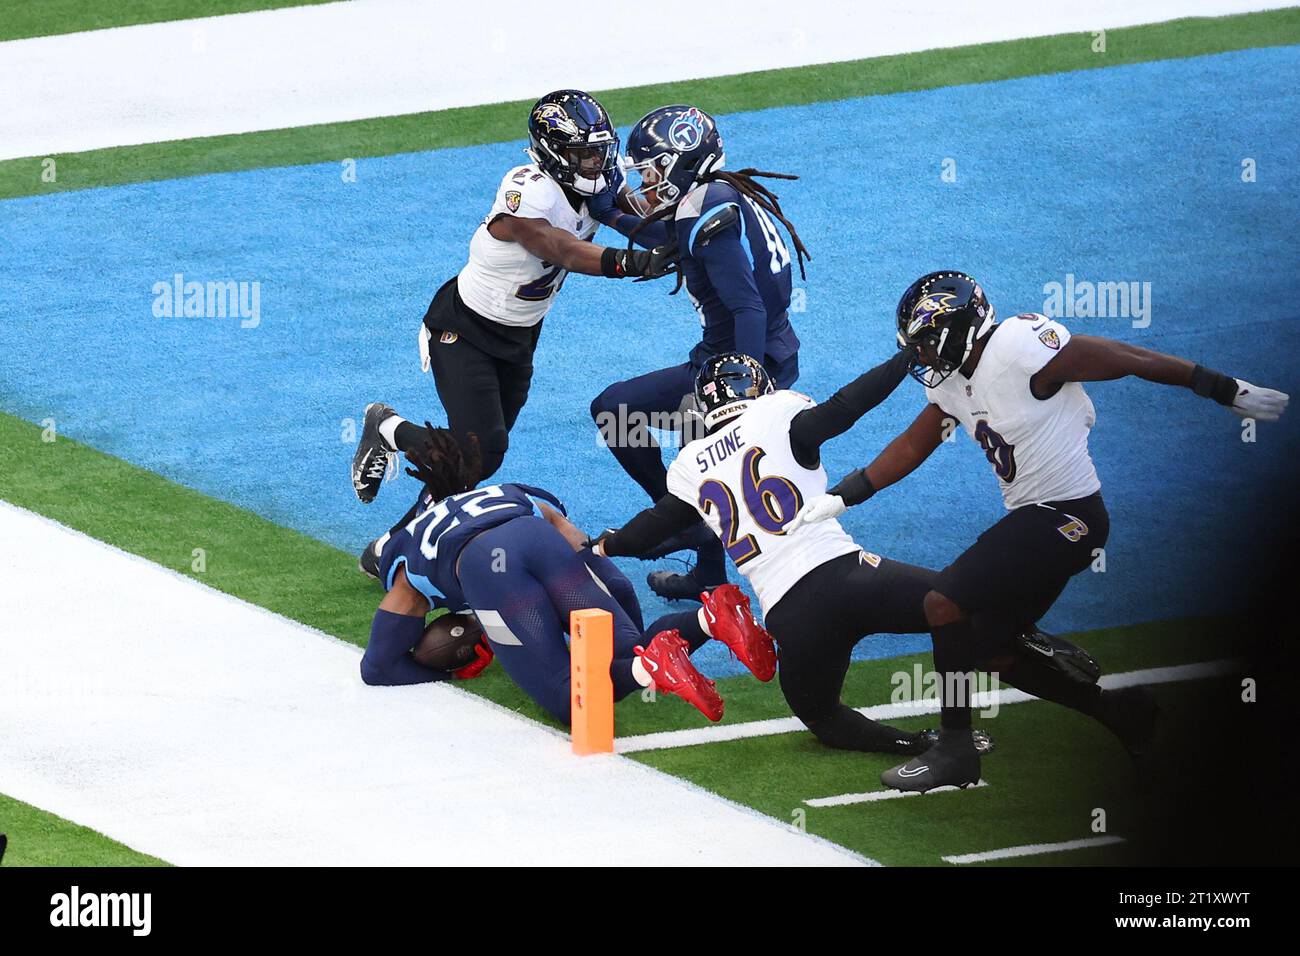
[[429, 545]]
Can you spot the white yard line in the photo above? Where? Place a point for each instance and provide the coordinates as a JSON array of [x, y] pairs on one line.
[[344, 61], [668, 739], [198, 728], [875, 796], [1033, 849]]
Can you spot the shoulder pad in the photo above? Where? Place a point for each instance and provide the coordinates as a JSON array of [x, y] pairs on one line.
[[713, 223]]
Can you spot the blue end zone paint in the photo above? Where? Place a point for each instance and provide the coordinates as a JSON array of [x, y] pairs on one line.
[[1131, 173]]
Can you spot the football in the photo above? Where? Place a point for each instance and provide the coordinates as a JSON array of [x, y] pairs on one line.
[[448, 642]]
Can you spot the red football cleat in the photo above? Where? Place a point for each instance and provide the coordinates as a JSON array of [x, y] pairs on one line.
[[731, 622], [668, 660]]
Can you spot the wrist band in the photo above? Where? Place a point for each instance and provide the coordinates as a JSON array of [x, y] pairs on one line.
[[1208, 383], [854, 488], [611, 267]]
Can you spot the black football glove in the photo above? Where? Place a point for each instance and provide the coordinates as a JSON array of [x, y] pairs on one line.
[[638, 263]]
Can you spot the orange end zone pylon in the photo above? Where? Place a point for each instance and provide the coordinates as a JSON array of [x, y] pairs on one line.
[[591, 650]]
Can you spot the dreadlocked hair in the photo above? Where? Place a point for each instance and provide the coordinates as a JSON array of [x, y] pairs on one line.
[[443, 465], [742, 180]]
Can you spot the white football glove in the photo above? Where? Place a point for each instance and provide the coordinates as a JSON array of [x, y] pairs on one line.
[[819, 509], [1263, 404]]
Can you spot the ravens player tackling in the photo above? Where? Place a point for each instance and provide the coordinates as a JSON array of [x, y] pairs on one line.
[[1015, 386], [481, 330], [747, 478]]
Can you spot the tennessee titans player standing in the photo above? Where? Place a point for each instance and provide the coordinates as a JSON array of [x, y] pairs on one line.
[[496, 551], [736, 268]]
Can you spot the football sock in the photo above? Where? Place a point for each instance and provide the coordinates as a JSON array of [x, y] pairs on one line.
[[685, 623], [639, 673], [628, 674], [953, 645], [711, 563], [399, 434], [388, 430]]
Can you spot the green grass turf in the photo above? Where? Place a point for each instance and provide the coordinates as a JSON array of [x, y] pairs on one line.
[[1050, 771], [748, 91], [257, 560], [30, 18], [37, 838], [1036, 797]]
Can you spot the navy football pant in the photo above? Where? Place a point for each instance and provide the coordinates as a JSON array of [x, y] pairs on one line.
[[523, 579]]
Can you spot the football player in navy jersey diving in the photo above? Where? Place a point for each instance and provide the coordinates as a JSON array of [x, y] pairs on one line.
[[494, 551]]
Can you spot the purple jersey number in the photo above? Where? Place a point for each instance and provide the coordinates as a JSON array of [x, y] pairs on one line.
[[772, 503], [544, 286], [1000, 455]]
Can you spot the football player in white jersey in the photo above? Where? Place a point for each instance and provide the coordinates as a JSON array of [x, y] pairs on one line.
[[820, 592], [480, 331], [1015, 387]]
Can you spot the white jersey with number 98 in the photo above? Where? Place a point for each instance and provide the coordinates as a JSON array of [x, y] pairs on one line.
[[744, 481], [505, 282]]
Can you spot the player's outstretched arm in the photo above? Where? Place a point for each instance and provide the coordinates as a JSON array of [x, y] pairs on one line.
[[653, 526], [569, 252], [398, 627], [900, 458], [1089, 358], [611, 207], [814, 426]]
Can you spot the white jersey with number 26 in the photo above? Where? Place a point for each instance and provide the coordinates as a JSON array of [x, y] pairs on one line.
[[505, 282], [1038, 447], [745, 482]]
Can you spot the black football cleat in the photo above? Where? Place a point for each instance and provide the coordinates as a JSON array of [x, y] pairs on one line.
[[368, 563], [371, 459], [952, 762], [679, 587], [1131, 714], [1048, 650], [927, 738]]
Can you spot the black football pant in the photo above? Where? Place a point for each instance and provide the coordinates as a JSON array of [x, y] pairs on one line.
[[481, 394], [1005, 582], [816, 625]]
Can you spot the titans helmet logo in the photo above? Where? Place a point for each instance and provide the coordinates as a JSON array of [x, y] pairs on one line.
[[687, 130], [928, 310], [553, 118]]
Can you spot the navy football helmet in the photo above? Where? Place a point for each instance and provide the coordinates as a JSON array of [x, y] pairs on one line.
[[571, 138], [668, 151], [940, 317], [726, 379]]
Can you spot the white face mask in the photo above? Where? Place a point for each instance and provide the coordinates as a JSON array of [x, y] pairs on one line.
[[647, 183]]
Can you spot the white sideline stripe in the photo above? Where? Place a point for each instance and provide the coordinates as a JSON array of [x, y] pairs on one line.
[[1033, 849], [874, 796], [298, 66], [203, 730], [667, 739]]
